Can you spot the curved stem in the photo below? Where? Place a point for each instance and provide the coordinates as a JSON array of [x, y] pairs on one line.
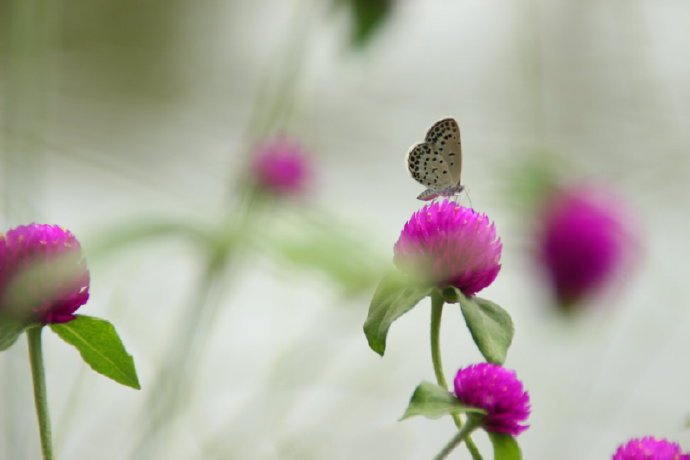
[[462, 435], [436, 313], [40, 397]]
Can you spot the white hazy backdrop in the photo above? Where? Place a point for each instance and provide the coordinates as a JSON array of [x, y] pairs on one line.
[[123, 125]]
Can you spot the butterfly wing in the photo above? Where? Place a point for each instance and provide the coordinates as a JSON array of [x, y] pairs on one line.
[[428, 167], [444, 137]]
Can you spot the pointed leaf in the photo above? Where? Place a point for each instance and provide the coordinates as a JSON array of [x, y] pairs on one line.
[[395, 295], [490, 326], [505, 447], [10, 330], [100, 347], [368, 16], [433, 401]]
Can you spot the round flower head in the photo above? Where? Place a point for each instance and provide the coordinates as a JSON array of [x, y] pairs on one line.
[[499, 392], [44, 277], [582, 242], [281, 166], [649, 448], [448, 244]]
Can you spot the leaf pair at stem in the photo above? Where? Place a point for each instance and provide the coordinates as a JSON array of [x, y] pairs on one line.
[[490, 325]]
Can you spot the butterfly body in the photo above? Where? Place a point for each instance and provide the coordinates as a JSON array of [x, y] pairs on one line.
[[437, 162], [430, 193]]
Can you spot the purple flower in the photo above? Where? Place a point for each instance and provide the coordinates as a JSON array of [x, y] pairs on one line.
[[44, 277], [649, 448], [499, 392], [281, 166], [582, 242], [448, 244]]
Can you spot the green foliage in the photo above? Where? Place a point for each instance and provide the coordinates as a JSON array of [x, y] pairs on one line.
[[490, 325], [144, 230], [320, 242], [505, 447], [434, 401], [10, 330], [100, 347], [341, 257], [395, 295], [367, 18]]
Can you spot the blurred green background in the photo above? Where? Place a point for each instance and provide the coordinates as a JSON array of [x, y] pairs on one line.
[[120, 117]]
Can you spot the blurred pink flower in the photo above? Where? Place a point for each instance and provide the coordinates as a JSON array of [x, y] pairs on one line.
[[649, 448], [281, 166], [448, 244], [498, 391], [44, 277], [583, 242]]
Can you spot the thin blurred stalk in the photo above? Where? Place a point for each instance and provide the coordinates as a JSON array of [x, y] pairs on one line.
[[27, 31], [173, 385], [275, 98], [535, 64], [28, 70], [279, 406], [275, 101], [271, 113]]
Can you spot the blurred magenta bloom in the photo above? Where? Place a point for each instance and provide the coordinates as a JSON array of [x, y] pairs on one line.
[[649, 448], [583, 242], [44, 276], [281, 166], [448, 244], [499, 392]]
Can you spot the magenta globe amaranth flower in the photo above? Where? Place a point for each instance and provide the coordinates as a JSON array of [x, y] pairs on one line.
[[583, 242], [44, 275], [650, 448], [450, 245], [281, 166], [499, 392]]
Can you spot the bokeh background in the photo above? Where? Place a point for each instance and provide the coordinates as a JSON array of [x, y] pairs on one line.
[[125, 121]]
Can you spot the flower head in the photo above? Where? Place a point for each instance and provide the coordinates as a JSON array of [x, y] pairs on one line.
[[449, 244], [649, 448], [281, 166], [44, 277], [499, 392], [582, 242]]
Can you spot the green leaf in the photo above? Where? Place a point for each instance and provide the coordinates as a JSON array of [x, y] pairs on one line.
[[505, 447], [490, 326], [368, 16], [395, 295], [100, 347], [330, 248], [10, 330], [433, 401]]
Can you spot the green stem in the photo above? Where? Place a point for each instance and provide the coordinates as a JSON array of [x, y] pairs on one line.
[[436, 313], [173, 382], [462, 435], [40, 397]]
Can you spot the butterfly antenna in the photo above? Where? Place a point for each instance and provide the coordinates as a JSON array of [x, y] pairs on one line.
[[467, 192]]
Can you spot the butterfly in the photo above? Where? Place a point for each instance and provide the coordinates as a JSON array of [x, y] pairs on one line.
[[437, 162]]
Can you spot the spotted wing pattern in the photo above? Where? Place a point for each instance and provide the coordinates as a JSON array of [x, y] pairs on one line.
[[427, 166], [444, 137]]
